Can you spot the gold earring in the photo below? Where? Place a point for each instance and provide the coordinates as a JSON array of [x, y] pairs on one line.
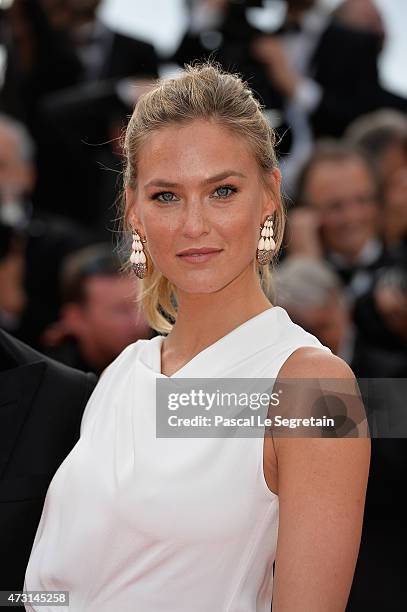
[[266, 244], [138, 258]]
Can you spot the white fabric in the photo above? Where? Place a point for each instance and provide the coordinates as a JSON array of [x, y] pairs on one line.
[[299, 48], [136, 523], [95, 43]]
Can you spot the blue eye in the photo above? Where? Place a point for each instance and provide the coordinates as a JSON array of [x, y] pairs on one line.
[[225, 191], [162, 196]]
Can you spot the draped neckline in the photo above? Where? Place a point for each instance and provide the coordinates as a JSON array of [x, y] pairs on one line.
[[274, 310]]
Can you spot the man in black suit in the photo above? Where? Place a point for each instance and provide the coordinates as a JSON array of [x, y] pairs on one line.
[[66, 95], [65, 52], [337, 216], [41, 407], [103, 53], [317, 72]]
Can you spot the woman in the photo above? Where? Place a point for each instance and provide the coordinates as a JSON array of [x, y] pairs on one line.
[[135, 522]]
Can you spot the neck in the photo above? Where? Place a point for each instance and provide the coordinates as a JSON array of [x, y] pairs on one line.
[[205, 318]]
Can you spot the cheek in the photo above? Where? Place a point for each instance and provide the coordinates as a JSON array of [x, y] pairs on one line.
[[101, 319], [113, 328], [161, 231], [372, 214], [241, 230], [334, 217], [334, 222]]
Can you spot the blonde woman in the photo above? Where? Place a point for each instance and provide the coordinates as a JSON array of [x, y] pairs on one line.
[[139, 523]]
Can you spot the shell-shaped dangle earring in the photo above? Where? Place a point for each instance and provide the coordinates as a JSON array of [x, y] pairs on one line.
[[138, 258], [266, 244]]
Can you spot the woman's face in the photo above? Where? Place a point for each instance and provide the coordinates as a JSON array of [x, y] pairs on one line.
[[199, 186]]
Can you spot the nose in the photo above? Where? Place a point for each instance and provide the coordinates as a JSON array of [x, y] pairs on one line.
[[195, 221]]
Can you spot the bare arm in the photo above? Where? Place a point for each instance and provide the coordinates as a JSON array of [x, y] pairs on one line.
[[322, 487]]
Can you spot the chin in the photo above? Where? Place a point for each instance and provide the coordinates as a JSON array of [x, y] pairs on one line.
[[207, 280], [204, 282], [196, 287]]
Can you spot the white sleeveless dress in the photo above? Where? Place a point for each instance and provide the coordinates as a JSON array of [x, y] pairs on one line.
[[136, 523]]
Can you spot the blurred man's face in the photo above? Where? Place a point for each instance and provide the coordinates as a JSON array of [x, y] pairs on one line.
[[363, 14], [109, 319], [16, 176], [393, 159], [395, 206], [343, 194], [327, 322]]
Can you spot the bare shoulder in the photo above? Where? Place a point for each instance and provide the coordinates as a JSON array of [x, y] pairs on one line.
[[310, 361], [332, 372]]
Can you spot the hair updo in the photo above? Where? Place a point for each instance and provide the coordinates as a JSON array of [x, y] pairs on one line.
[[202, 91]]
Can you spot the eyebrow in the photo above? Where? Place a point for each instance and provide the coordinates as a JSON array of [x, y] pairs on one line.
[[213, 179]]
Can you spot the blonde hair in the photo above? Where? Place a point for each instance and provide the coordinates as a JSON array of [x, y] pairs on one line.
[[202, 91]]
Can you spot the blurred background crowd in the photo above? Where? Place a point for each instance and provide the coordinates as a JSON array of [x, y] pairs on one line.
[[68, 83]]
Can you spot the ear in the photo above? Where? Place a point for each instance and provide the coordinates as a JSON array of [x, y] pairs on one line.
[[272, 193], [132, 209]]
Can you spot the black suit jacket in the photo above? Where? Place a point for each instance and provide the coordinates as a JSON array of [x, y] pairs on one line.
[[55, 64], [78, 121], [345, 64], [41, 407], [130, 57]]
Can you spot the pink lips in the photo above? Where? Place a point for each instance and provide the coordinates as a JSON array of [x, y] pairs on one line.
[[198, 255]]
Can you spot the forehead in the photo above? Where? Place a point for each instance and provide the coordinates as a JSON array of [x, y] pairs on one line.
[[194, 149], [338, 177], [109, 285]]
